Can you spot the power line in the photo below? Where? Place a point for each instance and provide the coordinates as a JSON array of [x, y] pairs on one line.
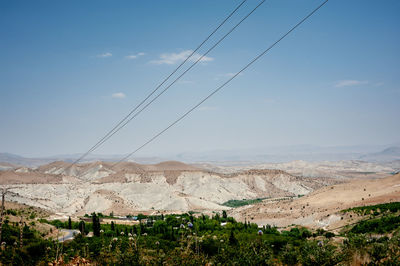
[[223, 85], [172, 83], [101, 141], [180, 76]]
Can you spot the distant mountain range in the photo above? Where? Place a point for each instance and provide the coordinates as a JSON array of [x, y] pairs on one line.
[[268, 155], [17, 160], [388, 154], [308, 153]]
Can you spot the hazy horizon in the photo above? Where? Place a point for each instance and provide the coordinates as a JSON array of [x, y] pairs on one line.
[[269, 154]]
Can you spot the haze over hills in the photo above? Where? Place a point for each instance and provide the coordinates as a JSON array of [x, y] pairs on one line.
[[277, 154], [388, 154], [18, 160]]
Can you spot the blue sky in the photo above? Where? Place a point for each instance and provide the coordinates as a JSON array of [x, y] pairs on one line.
[[69, 70]]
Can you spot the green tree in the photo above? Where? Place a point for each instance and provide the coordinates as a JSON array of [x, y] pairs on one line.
[[82, 227], [96, 224], [112, 226], [313, 253], [232, 239], [69, 223]]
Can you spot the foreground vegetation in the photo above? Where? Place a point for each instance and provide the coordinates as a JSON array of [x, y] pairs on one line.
[[197, 240], [391, 207]]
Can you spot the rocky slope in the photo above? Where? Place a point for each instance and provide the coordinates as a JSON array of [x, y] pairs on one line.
[[132, 188], [321, 208]]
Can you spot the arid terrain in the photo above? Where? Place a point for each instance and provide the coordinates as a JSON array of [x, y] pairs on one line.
[[322, 208], [298, 192], [131, 187], [345, 169]]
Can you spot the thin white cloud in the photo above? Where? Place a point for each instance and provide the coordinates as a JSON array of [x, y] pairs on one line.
[[118, 95], [229, 74], [207, 108], [226, 75], [174, 58], [134, 56], [104, 55], [350, 82]]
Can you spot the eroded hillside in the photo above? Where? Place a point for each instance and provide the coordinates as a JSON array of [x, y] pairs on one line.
[[322, 207], [130, 187]]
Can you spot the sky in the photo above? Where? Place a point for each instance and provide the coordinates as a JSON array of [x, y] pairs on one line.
[[70, 70]]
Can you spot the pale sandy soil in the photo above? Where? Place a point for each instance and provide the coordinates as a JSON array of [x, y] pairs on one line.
[[321, 208], [28, 177], [131, 187]]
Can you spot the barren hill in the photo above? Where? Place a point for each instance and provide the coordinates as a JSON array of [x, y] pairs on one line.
[[90, 171], [170, 186], [321, 208], [170, 166], [23, 176]]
